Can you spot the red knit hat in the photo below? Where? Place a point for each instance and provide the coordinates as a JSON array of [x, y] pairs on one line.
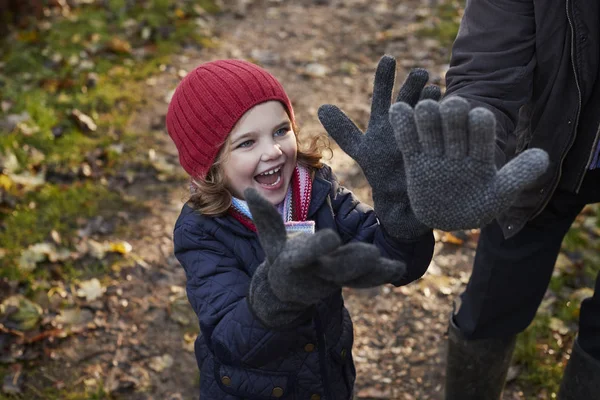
[[207, 104]]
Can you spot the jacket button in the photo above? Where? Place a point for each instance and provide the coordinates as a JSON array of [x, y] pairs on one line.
[[277, 392], [309, 348], [542, 190], [343, 354], [226, 380], [569, 121], [510, 227], [315, 397]]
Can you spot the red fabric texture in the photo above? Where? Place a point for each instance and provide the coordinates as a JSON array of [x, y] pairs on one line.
[[207, 104]]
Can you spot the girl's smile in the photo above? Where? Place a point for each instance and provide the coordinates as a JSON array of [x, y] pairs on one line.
[[262, 152]]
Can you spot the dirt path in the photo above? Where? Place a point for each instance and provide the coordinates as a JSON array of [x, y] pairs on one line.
[[323, 53]]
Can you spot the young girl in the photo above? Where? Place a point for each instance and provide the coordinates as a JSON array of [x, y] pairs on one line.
[[272, 318]]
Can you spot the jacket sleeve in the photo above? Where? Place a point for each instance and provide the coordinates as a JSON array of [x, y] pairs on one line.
[[492, 62], [217, 288], [357, 221]]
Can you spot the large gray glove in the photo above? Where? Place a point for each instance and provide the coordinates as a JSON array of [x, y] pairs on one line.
[[305, 268], [448, 152], [376, 151]]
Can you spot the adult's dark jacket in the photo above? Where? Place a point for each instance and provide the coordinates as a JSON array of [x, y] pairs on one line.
[[535, 64], [238, 357]]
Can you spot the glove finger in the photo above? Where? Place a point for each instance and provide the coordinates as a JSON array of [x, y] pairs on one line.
[[347, 262], [303, 251], [402, 119], [384, 271], [455, 116], [429, 127], [519, 173], [432, 92], [340, 128], [411, 90], [268, 222], [383, 86], [482, 134]]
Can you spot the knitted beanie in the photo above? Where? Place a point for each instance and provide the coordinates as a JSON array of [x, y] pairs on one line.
[[207, 104]]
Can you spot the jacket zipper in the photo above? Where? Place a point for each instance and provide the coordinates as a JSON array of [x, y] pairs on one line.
[[322, 348], [562, 158], [592, 152]]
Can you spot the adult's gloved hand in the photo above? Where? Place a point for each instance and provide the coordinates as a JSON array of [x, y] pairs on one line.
[[448, 151], [301, 270], [376, 151]]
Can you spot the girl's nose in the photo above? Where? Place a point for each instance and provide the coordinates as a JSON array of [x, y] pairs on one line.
[[271, 152]]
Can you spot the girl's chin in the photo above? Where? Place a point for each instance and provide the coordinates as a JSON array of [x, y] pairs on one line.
[[273, 195]]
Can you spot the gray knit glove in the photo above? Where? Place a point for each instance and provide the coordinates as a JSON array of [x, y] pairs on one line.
[[376, 151], [452, 178], [301, 270]]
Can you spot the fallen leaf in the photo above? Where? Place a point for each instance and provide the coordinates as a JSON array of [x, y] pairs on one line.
[[9, 162], [33, 255], [91, 289], [20, 313], [120, 247], [452, 238], [557, 325], [118, 45], [75, 316], [85, 122], [160, 363], [27, 180]]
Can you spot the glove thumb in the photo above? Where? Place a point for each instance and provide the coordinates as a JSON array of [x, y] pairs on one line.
[[520, 173]]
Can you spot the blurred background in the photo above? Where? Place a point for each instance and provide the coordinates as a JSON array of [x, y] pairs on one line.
[[92, 301]]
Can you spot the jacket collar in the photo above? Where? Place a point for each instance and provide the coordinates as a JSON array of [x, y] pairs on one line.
[[320, 190]]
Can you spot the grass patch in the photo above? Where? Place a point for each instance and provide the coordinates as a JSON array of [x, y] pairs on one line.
[[540, 351], [56, 169], [57, 208], [444, 22], [95, 60]]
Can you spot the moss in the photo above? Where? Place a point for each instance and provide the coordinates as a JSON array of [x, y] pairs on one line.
[[542, 348], [445, 22], [41, 75], [56, 207], [540, 352]]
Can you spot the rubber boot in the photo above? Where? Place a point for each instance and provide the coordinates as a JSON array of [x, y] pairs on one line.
[[476, 369], [581, 380]]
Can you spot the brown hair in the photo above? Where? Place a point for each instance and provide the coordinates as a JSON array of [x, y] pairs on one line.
[[210, 195]]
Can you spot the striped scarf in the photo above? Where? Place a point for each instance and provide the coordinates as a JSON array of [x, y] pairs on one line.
[[293, 209]]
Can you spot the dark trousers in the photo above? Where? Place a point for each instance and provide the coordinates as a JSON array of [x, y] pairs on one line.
[[510, 277]]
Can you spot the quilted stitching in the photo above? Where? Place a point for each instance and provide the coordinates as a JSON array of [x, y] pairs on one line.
[[219, 256]]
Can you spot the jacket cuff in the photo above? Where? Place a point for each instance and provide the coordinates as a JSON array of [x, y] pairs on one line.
[[416, 253]]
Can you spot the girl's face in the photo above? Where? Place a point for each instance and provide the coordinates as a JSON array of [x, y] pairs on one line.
[[262, 152]]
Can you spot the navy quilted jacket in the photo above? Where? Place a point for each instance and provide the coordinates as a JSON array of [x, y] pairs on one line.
[[238, 357]]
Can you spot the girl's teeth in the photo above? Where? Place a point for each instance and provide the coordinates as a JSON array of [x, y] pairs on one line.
[[271, 172]]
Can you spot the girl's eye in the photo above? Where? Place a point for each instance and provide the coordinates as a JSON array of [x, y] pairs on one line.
[[281, 131], [247, 143]]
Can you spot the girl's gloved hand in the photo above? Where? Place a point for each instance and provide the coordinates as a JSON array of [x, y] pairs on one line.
[[301, 270], [376, 151]]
